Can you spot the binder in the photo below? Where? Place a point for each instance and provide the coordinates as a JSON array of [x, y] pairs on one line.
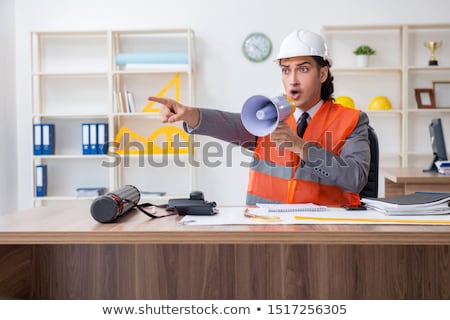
[[41, 180], [93, 138], [85, 138], [48, 138], [37, 139], [102, 138]]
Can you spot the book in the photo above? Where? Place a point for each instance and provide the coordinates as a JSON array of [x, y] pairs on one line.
[[130, 101], [418, 203]]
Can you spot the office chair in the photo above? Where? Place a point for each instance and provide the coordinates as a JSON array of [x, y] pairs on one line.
[[370, 190]]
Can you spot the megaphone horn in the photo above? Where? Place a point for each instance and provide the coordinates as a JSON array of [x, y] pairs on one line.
[[260, 115]]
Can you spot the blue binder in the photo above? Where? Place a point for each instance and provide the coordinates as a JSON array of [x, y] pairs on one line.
[[48, 138], [102, 138], [93, 138], [85, 138], [41, 180], [37, 139]]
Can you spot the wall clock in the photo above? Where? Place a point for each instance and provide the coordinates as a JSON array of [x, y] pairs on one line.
[[257, 47]]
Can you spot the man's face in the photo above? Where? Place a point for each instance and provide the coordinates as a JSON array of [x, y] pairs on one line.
[[302, 80]]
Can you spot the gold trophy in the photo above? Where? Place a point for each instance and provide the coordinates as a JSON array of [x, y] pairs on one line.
[[433, 46]]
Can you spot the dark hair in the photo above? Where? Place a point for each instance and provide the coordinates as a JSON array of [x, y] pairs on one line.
[[327, 90]]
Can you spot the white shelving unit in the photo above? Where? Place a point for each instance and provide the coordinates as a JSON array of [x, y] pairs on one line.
[[76, 79], [399, 66]]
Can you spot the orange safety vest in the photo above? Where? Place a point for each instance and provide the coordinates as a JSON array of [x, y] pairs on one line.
[[276, 174]]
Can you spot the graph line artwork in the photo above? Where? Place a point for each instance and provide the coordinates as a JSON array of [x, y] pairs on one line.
[[164, 140], [174, 82]]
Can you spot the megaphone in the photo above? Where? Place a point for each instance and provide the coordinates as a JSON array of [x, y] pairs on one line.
[[260, 115]]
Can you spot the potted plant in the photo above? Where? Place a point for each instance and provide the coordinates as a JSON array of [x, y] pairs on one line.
[[363, 52]]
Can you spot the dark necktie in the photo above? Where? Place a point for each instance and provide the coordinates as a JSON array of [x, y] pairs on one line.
[[302, 123]]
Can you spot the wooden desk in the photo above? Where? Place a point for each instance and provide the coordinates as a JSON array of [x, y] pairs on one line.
[[50, 253], [401, 181]]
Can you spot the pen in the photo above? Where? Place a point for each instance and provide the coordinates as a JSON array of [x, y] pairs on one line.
[[260, 218], [187, 221]]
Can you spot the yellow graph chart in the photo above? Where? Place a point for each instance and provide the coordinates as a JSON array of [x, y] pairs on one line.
[[164, 140], [174, 82]]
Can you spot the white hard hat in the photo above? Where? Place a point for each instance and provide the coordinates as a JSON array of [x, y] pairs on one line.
[[303, 43]]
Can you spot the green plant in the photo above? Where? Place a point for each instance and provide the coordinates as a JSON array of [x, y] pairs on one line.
[[365, 50]]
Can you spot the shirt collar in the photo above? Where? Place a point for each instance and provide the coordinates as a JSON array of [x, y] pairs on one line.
[[312, 111]]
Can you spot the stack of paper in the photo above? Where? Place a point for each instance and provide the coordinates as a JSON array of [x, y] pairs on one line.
[[443, 167], [419, 203], [90, 192]]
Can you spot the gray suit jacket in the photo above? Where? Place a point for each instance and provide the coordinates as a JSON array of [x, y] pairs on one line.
[[348, 171]]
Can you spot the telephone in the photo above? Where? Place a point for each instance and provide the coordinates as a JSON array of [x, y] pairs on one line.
[[195, 205]]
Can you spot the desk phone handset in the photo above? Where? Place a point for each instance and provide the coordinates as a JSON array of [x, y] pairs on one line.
[[195, 205]]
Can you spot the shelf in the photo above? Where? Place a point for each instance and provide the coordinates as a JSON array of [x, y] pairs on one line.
[[75, 80], [366, 70], [429, 69], [84, 74], [399, 66], [152, 115], [63, 198], [76, 156], [70, 116], [384, 113], [144, 69], [429, 111]]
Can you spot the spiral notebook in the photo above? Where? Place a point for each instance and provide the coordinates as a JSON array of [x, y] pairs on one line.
[[291, 207]]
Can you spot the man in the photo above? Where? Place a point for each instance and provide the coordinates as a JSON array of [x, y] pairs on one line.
[[326, 163]]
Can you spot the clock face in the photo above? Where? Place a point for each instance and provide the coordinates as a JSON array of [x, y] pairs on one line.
[[257, 47]]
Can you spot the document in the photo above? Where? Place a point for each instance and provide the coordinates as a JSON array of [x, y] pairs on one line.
[[238, 216], [419, 203]]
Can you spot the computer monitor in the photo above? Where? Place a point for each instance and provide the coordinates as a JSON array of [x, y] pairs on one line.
[[437, 144]]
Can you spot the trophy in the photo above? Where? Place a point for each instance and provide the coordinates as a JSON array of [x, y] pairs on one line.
[[433, 46]]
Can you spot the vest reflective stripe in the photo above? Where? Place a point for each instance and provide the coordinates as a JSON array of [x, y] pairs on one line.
[[327, 195], [271, 168], [329, 128], [268, 186], [252, 199]]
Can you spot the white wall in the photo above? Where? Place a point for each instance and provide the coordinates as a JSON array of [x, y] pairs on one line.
[[8, 147], [224, 79]]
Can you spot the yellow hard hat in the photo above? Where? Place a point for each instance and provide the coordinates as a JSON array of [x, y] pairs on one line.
[[345, 101], [380, 103]]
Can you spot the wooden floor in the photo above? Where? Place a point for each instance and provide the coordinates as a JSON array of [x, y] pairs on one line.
[[225, 272]]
